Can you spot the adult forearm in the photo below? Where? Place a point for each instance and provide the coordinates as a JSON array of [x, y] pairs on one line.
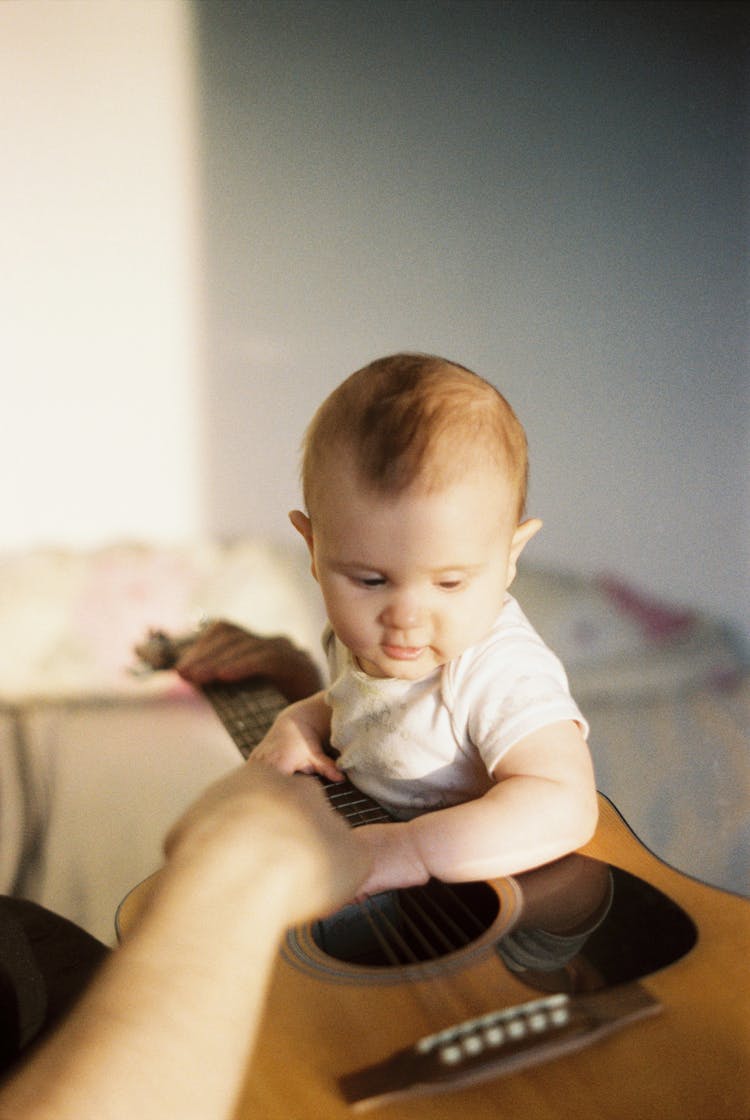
[[167, 1027]]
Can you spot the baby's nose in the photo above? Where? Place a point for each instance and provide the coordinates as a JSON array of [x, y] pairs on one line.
[[403, 612]]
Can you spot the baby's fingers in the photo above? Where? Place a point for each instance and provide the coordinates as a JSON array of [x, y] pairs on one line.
[[327, 768], [280, 757]]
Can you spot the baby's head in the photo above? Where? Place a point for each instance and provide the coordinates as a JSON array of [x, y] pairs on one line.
[[414, 475], [414, 420]]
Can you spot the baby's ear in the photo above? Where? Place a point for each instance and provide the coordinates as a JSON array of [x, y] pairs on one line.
[[523, 534], [303, 525]]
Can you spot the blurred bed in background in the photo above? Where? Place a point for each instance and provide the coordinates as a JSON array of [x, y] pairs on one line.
[[96, 763], [667, 695]]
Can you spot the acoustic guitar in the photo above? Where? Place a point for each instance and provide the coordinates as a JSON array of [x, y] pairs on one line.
[[605, 986]]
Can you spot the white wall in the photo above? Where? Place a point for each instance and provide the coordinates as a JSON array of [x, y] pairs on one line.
[[99, 331], [551, 193]]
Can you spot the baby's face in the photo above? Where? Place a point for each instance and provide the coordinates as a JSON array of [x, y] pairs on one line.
[[412, 580]]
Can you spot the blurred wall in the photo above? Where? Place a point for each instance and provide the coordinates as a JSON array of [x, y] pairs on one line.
[[552, 193], [99, 304]]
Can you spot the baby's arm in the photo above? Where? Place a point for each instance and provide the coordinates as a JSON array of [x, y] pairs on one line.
[[295, 742], [542, 806]]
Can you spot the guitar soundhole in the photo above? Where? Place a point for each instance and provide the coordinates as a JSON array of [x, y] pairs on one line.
[[408, 927]]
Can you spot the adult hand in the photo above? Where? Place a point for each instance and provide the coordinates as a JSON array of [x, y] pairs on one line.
[[225, 652], [257, 816]]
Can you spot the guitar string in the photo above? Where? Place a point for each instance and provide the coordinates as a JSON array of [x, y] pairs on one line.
[[428, 926], [243, 716], [388, 936], [447, 1003], [418, 927], [472, 925], [247, 714], [359, 810], [432, 921], [247, 711]]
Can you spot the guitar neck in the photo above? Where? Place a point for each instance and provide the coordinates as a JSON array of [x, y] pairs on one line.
[[247, 708]]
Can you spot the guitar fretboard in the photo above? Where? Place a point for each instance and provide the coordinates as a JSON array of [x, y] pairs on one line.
[[248, 708]]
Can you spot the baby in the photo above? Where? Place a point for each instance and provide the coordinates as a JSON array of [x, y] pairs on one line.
[[444, 705]]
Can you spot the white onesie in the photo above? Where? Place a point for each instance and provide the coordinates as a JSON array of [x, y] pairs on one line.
[[419, 745]]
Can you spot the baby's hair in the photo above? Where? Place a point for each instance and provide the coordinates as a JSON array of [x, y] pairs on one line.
[[412, 417]]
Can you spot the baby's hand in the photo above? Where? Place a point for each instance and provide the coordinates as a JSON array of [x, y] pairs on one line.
[[291, 754], [293, 746]]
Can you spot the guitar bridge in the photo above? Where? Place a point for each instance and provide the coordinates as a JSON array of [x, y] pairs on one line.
[[498, 1043]]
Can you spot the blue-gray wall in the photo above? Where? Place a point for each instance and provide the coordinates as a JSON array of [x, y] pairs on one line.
[[551, 193]]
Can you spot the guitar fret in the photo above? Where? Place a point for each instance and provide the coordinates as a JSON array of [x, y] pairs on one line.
[[359, 818], [357, 807], [247, 710], [358, 814]]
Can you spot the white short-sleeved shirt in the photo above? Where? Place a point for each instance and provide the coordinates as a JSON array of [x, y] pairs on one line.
[[420, 745]]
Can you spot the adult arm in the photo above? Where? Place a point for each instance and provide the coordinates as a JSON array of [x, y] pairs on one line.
[[167, 1026], [543, 806]]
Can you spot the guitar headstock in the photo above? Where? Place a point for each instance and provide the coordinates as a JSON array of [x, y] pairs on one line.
[[160, 650], [246, 707]]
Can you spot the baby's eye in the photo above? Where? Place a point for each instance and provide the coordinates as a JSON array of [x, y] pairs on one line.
[[369, 581], [451, 584]]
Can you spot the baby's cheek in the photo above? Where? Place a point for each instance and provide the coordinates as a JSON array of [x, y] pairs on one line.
[[466, 632], [354, 636]]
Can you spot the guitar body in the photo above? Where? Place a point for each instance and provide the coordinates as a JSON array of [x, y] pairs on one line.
[[330, 1015], [691, 1061]]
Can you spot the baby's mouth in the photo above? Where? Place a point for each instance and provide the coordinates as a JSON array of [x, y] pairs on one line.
[[403, 653]]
